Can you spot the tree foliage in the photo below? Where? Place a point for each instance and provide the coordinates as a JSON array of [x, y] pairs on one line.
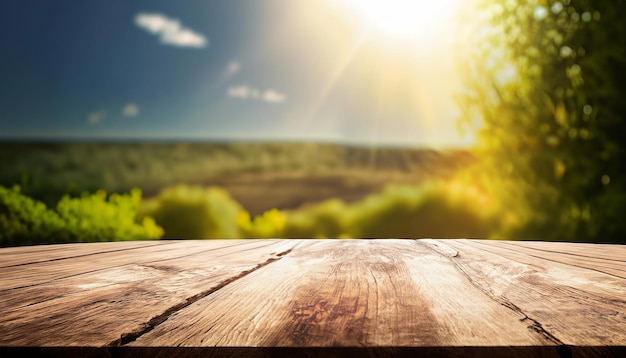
[[91, 217], [194, 212], [545, 81], [405, 211]]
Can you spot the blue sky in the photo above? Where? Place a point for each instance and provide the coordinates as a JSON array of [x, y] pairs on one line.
[[219, 70]]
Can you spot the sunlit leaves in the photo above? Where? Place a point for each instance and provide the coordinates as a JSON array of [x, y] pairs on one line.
[[91, 217], [553, 129], [195, 212], [269, 224], [398, 211]]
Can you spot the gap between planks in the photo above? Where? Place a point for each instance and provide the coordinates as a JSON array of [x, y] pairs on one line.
[[124, 293], [348, 293], [49, 271], [451, 253], [580, 305], [462, 255], [127, 338]]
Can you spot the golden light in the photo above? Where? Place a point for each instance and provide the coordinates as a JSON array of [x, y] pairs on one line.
[[406, 18], [400, 58]]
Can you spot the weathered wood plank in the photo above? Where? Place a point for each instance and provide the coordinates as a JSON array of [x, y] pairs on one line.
[[357, 298], [610, 252], [28, 255], [30, 275], [611, 267], [575, 305], [126, 294], [349, 293], [312, 352]]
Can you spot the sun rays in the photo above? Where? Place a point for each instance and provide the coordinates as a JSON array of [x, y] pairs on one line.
[[409, 19], [400, 64]]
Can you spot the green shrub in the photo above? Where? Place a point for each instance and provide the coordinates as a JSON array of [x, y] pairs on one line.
[[92, 217], [195, 212], [328, 219], [26, 221], [435, 209], [439, 210], [270, 224]]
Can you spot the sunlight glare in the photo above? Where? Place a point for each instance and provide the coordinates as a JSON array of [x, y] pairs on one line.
[[405, 18], [404, 57]]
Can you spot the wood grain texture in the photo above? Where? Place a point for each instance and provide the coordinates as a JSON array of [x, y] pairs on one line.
[[610, 252], [29, 255], [23, 276], [609, 263], [559, 297], [123, 296], [349, 293], [359, 298]]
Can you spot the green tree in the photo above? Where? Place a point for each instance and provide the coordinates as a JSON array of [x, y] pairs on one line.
[[92, 217], [545, 81]]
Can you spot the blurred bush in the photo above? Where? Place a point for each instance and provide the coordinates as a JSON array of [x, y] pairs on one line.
[[96, 217], [92, 217], [195, 212], [434, 209], [329, 219], [26, 221], [269, 224]]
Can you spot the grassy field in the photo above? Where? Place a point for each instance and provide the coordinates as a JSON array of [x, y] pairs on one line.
[[260, 176]]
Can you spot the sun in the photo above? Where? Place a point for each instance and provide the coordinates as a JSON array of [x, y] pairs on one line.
[[400, 58], [408, 19]]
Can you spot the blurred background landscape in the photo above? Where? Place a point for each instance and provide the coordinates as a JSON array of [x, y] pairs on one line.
[[324, 119], [240, 190]]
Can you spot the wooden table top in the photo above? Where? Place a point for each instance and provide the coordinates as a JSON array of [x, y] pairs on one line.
[[314, 297]]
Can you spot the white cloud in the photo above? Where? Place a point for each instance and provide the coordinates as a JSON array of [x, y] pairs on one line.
[[170, 31], [273, 96], [130, 110], [239, 91], [96, 117], [247, 92]]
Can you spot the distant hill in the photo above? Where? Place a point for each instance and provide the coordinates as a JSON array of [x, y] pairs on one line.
[[258, 175]]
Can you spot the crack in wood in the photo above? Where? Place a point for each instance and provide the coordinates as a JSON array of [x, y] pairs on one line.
[[534, 324], [438, 247], [442, 249], [126, 338], [127, 264]]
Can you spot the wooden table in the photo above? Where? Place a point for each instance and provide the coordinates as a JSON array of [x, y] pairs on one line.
[[314, 298]]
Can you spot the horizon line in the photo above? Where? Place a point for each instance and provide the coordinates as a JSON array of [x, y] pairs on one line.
[[221, 140]]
